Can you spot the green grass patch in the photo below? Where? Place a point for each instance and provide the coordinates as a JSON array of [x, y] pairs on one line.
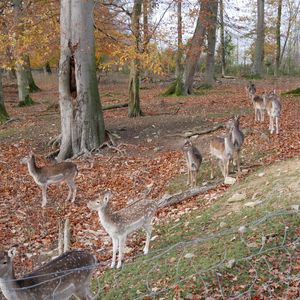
[[205, 251], [295, 92]]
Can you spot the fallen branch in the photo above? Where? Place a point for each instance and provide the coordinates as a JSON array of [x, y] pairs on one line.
[[206, 131], [113, 106], [10, 121], [167, 200]]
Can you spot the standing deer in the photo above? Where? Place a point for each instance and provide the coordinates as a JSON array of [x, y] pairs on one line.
[[193, 160], [259, 107], [273, 107], [67, 275], [222, 148], [60, 172], [250, 89], [237, 139], [123, 222]]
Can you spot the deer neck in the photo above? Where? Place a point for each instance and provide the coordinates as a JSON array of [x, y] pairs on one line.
[[32, 167], [105, 215]]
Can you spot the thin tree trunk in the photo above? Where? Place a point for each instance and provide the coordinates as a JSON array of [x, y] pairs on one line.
[[31, 84], [222, 39], [211, 43], [134, 109], [82, 124], [260, 38], [278, 38], [195, 48], [3, 113]]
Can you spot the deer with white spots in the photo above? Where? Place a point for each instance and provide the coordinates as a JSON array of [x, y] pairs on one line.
[[121, 223], [66, 275], [57, 173]]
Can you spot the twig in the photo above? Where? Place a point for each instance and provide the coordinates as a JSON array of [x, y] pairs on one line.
[[206, 131]]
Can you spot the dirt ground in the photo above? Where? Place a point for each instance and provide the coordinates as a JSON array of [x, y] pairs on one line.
[[152, 156]]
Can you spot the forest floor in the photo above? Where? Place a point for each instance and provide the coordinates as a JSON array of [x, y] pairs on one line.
[[152, 156]]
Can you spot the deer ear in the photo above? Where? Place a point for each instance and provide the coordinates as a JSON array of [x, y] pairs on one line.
[[12, 252], [107, 196]]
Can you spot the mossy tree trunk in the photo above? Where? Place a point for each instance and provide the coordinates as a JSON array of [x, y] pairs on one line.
[[23, 87], [82, 123], [222, 39], [211, 43], [134, 108], [31, 84], [195, 48], [278, 38], [3, 113]]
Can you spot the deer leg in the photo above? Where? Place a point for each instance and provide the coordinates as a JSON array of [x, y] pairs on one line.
[[277, 127], [189, 176], [44, 195], [84, 293], [226, 166], [262, 115], [115, 243], [72, 190], [121, 249], [272, 125], [238, 160], [148, 229], [255, 114]]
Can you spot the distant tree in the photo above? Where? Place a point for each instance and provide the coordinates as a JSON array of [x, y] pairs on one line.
[[211, 42], [3, 113], [278, 38], [222, 39], [260, 38]]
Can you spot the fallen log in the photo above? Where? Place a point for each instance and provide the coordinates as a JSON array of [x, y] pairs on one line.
[[167, 200], [193, 133], [113, 106]]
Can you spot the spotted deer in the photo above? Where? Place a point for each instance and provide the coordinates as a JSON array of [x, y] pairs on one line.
[[237, 139], [259, 107], [250, 89], [193, 160], [59, 279], [273, 107], [121, 223], [222, 149], [60, 172]]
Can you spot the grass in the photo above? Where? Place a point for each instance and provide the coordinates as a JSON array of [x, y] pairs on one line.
[[184, 257]]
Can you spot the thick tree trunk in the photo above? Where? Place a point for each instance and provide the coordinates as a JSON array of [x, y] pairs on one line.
[[278, 38], [134, 109], [23, 87], [82, 124], [211, 43], [31, 84], [195, 48], [222, 38], [3, 113], [260, 38]]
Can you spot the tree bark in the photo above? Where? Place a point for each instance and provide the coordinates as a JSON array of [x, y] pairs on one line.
[[278, 38], [222, 39], [3, 113], [260, 38], [134, 109], [195, 48], [211, 43], [31, 84], [23, 85], [82, 124]]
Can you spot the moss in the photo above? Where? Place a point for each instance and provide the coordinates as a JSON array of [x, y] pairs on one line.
[[295, 92], [27, 102], [176, 88], [3, 114]]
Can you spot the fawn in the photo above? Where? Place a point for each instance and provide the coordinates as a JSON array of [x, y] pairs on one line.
[[123, 222], [273, 107], [60, 172], [59, 279], [237, 139], [259, 107], [222, 149], [250, 89], [193, 159]]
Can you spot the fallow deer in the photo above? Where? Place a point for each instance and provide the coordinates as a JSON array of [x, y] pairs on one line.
[[60, 172], [123, 222]]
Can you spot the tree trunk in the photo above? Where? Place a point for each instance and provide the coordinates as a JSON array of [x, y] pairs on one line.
[[195, 48], [82, 124], [222, 39], [211, 43], [260, 39], [134, 109], [23, 87], [31, 84], [278, 38], [3, 113]]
